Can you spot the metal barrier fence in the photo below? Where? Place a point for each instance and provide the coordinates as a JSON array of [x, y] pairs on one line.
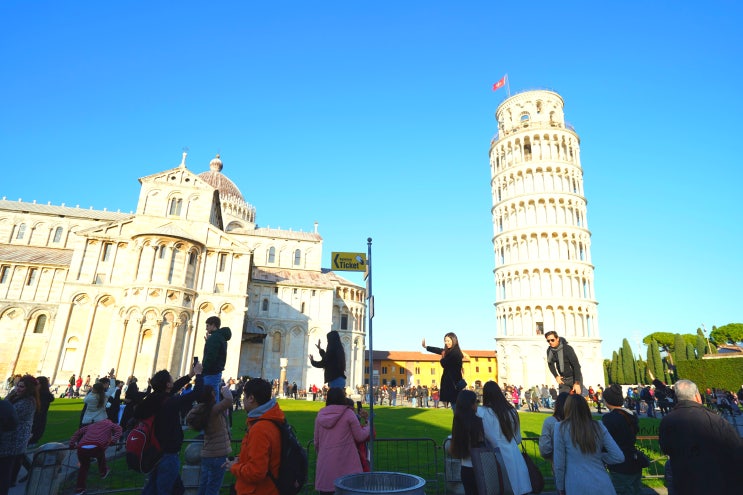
[[54, 467]]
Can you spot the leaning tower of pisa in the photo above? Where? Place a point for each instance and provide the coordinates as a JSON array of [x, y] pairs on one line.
[[543, 270]]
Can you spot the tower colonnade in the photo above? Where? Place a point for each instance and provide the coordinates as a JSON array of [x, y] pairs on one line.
[[542, 244]]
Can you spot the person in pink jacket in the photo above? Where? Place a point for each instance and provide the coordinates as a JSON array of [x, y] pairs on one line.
[[337, 431]]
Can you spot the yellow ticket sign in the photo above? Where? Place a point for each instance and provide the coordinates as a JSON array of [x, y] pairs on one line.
[[349, 262]]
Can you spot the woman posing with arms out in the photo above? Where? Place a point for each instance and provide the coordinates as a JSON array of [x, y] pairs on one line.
[[337, 431], [466, 434], [332, 361], [210, 416], [582, 447], [503, 430], [451, 361]]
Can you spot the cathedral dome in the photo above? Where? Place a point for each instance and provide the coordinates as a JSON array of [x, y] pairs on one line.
[[215, 178]]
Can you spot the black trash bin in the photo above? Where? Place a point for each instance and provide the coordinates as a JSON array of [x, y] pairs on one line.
[[380, 482]]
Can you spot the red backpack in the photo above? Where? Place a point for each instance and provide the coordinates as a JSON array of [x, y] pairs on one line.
[[143, 451]]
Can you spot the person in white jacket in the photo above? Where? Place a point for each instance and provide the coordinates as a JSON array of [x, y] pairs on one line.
[[96, 400], [503, 430]]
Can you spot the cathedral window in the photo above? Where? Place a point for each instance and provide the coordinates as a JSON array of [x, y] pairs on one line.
[[4, 272], [175, 206], [272, 255], [264, 305], [32, 273], [297, 257], [344, 322], [106, 254], [192, 258], [21, 231], [57, 235], [303, 308], [222, 261], [161, 252], [40, 324], [276, 344]]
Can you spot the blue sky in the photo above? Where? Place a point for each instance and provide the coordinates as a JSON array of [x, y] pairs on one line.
[[374, 119]]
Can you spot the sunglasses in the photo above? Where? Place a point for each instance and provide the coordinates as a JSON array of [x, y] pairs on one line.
[[551, 340]]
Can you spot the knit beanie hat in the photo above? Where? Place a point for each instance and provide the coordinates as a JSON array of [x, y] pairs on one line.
[[613, 395]]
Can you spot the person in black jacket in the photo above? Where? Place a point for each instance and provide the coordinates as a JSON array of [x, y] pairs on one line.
[[705, 449], [165, 404], [623, 426], [563, 363], [451, 361], [332, 361]]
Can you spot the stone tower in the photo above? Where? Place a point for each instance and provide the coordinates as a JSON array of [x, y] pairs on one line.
[[543, 270]]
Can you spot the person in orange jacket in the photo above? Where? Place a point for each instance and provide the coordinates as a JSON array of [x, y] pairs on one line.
[[260, 452]]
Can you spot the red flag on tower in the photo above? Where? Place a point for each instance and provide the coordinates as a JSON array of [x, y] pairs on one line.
[[500, 83]]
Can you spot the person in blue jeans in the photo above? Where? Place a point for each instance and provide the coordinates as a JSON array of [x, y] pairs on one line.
[[209, 415], [215, 351], [165, 404]]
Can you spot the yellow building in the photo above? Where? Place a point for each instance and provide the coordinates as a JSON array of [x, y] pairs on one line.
[[423, 368]]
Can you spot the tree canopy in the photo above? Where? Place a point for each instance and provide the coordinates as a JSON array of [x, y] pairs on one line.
[[732, 333]]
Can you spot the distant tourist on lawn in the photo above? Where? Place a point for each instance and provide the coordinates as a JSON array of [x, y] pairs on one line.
[[705, 449], [91, 441]]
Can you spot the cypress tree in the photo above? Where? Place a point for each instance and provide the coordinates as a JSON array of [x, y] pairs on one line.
[[614, 371], [690, 354], [607, 369], [628, 363], [679, 348], [620, 368], [701, 344]]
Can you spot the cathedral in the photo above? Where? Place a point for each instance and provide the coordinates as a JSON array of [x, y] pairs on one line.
[[83, 291]]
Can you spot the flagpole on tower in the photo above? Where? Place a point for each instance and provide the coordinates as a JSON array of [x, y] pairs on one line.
[[508, 85]]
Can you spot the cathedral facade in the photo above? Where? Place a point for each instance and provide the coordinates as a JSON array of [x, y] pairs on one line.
[[83, 291], [543, 269]]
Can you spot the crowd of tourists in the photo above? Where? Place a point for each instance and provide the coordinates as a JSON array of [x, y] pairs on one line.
[[586, 455]]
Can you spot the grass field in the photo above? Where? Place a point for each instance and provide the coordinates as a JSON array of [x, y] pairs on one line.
[[390, 422]]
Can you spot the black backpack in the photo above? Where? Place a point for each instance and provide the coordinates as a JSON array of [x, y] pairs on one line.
[[293, 465]]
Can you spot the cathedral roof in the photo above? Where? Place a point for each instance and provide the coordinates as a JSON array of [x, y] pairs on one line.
[[215, 178], [35, 255], [63, 211], [286, 234]]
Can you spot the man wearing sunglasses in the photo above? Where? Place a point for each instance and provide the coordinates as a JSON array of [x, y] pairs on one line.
[[563, 363]]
